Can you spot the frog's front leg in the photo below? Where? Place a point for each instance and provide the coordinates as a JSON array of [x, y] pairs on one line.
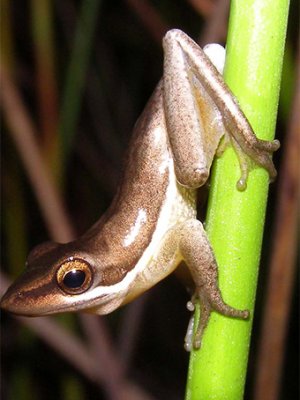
[[198, 255], [199, 110]]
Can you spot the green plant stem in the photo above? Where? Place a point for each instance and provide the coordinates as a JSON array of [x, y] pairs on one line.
[[235, 220]]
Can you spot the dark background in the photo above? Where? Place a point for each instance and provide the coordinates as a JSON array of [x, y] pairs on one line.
[[123, 66]]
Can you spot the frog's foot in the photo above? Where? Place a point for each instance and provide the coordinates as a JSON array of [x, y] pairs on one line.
[[260, 152], [207, 304]]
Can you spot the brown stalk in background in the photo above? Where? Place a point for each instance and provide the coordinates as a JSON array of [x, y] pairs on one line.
[[203, 7], [149, 17], [46, 87], [215, 29], [23, 133], [283, 263]]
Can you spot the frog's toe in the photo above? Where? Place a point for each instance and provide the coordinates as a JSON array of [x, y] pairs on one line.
[[268, 145]]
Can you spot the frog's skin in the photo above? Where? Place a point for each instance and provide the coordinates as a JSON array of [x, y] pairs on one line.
[[151, 225]]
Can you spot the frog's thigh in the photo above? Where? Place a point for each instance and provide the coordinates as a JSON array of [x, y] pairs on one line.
[[194, 123]]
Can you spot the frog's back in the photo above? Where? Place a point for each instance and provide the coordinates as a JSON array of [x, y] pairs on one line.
[[148, 193]]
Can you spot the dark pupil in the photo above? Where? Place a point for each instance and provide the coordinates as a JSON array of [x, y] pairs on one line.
[[74, 279]]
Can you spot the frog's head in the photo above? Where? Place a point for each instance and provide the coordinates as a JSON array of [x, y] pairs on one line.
[[63, 277]]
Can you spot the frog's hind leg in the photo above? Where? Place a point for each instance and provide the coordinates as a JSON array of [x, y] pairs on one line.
[[194, 123], [191, 61], [196, 251]]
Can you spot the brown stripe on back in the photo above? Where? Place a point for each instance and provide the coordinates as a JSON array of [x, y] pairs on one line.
[[142, 192]]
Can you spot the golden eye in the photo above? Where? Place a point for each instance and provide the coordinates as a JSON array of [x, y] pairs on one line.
[[74, 276]]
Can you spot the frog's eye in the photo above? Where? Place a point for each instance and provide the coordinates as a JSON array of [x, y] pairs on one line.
[[74, 276]]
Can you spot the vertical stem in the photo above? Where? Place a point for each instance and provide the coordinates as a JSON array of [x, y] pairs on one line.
[[282, 271], [41, 11], [7, 50], [46, 85], [235, 220], [76, 72], [13, 214]]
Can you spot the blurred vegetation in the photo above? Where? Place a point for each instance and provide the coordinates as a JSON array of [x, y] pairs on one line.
[[84, 71]]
